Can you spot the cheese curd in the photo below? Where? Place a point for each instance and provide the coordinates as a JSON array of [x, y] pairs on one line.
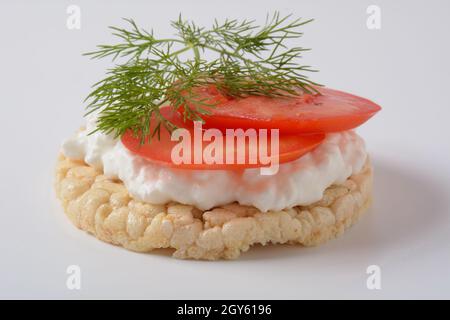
[[299, 182]]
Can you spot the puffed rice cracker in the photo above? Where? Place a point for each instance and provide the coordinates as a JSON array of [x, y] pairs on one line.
[[104, 208]]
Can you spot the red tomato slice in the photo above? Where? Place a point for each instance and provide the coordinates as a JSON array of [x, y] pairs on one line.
[[159, 151], [329, 111]]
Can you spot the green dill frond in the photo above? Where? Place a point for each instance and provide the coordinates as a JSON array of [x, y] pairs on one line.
[[248, 60]]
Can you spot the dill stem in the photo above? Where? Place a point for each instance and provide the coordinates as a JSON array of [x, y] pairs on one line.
[[154, 71]]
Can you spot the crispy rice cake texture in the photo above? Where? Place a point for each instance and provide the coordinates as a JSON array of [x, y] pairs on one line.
[[104, 208]]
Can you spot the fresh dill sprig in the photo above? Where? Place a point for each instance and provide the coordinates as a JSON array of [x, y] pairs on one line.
[[247, 60]]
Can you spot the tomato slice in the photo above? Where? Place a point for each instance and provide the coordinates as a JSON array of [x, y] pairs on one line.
[[159, 151], [329, 111]]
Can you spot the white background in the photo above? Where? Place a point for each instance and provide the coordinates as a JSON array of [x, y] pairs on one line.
[[405, 67]]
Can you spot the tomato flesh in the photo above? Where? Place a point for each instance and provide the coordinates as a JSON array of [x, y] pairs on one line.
[[329, 111], [159, 151]]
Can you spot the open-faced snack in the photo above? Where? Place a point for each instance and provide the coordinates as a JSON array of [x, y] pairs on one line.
[[210, 157]]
